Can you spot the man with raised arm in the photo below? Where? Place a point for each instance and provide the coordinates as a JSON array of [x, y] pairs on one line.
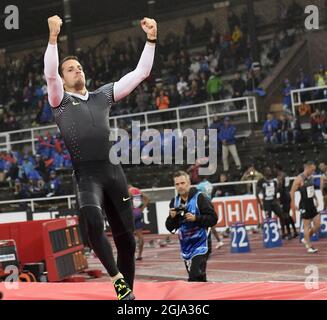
[[83, 120]]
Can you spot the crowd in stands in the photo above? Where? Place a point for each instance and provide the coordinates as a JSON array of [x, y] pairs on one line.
[[178, 78], [287, 128], [303, 81], [35, 175]]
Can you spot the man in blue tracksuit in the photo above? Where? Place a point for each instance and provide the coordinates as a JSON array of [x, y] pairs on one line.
[[228, 141], [191, 213], [270, 129]]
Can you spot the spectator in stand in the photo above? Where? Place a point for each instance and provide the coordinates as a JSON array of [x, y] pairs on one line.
[[194, 92], [227, 138], [202, 84], [319, 82], [237, 35], [45, 113], [57, 142], [223, 190], [216, 124], [35, 188], [233, 20], [287, 101], [10, 122], [270, 129], [214, 86], [67, 160], [162, 103], [302, 83], [318, 125], [26, 168], [182, 86], [2, 168], [44, 147], [195, 66], [239, 87], [40, 166], [34, 175], [283, 127], [10, 167], [53, 187], [251, 82], [193, 171], [58, 161], [204, 65], [174, 97], [212, 63], [21, 190], [294, 129]]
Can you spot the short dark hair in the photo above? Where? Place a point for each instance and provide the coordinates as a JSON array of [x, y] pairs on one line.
[[63, 61], [309, 163], [265, 169], [181, 173]]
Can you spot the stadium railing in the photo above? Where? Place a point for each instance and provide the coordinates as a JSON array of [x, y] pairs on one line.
[[71, 202], [192, 116], [70, 199], [296, 97]]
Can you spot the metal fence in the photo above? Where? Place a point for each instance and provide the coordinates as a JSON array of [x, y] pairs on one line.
[[192, 116], [69, 202], [297, 95]]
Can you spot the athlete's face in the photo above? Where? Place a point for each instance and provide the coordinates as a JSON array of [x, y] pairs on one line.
[[322, 167], [182, 185], [73, 75], [310, 169]]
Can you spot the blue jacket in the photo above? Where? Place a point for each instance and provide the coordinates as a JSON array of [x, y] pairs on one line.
[[270, 127], [193, 235], [193, 239], [228, 134]]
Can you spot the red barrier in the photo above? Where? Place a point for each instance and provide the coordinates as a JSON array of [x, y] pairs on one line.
[[57, 242], [173, 290], [28, 237]]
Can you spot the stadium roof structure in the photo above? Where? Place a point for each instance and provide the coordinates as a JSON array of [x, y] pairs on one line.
[[33, 14]]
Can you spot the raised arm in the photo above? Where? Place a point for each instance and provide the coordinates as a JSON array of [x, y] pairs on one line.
[[51, 64], [130, 81]]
